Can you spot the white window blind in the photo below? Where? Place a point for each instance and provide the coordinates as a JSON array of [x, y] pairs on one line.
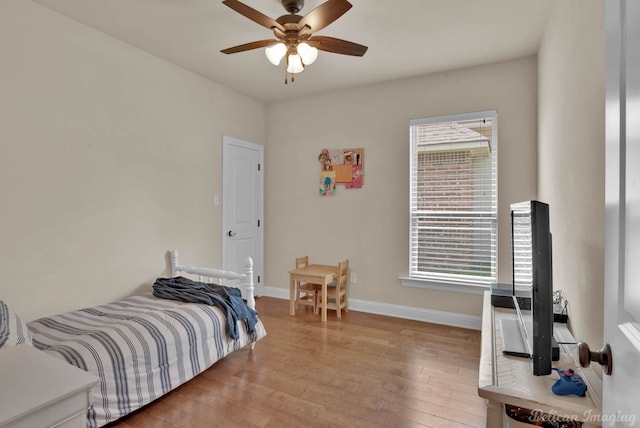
[[521, 244], [453, 236]]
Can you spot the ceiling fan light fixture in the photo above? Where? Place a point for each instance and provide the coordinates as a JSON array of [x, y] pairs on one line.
[[275, 53], [294, 64], [294, 39], [307, 53]]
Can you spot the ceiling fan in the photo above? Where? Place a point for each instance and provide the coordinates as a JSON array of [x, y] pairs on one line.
[[294, 33]]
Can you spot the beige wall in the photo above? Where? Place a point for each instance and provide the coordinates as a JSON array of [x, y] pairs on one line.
[[370, 225], [109, 157], [571, 156]]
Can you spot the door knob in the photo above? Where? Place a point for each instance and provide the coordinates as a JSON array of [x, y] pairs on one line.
[[603, 357], [231, 233]]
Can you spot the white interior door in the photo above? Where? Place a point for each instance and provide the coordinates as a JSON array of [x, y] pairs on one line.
[[621, 390], [242, 207]]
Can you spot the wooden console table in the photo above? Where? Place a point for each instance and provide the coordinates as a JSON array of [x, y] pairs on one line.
[[509, 380]]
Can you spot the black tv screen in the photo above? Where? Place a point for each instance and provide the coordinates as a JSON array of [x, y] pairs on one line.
[[532, 273]]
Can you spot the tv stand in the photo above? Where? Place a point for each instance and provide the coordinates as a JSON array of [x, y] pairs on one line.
[[513, 342], [502, 296], [506, 380]]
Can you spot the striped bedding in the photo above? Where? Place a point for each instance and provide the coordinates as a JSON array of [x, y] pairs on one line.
[[141, 348]]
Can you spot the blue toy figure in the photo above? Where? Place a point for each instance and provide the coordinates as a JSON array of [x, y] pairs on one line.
[[569, 383]]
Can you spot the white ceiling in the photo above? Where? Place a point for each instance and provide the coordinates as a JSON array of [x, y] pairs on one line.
[[405, 38]]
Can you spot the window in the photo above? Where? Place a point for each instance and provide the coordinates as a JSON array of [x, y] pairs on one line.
[[522, 245], [454, 201]]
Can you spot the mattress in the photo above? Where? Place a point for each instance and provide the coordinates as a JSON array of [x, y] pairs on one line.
[[141, 348]]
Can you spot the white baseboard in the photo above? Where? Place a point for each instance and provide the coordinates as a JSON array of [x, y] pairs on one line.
[[398, 311]]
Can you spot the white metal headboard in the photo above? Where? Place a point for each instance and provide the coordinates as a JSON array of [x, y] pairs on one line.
[[210, 275]]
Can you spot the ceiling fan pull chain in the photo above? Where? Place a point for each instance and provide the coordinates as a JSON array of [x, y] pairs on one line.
[[286, 74]]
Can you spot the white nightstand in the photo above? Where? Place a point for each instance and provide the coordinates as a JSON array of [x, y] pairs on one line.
[[39, 390]]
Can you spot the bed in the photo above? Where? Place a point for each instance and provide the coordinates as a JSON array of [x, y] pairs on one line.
[[144, 346]]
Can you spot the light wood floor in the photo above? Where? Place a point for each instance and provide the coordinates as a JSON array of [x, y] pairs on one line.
[[364, 371]]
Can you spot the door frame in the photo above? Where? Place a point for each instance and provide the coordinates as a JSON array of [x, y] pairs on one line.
[[258, 260]]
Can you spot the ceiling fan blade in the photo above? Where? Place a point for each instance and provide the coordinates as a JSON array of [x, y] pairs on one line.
[[249, 46], [324, 14], [253, 14], [339, 46]]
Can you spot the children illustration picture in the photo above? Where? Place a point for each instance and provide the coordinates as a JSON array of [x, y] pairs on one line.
[[327, 183], [341, 166]]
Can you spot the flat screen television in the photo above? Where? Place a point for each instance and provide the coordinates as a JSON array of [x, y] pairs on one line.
[[530, 332]]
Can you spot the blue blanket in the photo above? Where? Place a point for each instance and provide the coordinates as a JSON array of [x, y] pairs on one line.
[[229, 299]]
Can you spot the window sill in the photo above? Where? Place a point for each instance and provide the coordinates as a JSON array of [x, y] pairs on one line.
[[455, 287]]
